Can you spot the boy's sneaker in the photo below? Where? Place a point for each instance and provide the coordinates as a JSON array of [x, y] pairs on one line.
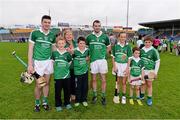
[[94, 99], [58, 109], [149, 102], [45, 106], [85, 104], [123, 100], [116, 99], [68, 106], [103, 101], [37, 108], [76, 104], [142, 96], [131, 101], [139, 102]]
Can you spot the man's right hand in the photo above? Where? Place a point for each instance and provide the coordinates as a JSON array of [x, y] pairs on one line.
[[30, 69]]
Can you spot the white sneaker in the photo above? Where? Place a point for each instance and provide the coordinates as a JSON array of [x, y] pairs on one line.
[[123, 100], [116, 99]]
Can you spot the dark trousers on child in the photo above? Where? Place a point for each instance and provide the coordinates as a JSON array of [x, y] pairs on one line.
[[81, 87], [72, 82], [62, 84]]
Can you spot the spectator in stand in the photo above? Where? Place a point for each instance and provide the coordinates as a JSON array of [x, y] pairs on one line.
[[112, 39], [139, 42], [171, 43], [156, 42]]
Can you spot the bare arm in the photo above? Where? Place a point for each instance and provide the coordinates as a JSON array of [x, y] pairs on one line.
[[54, 47], [30, 58]]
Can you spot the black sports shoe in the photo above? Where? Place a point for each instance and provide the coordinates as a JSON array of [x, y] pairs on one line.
[[46, 107], [103, 101], [94, 99], [37, 108]]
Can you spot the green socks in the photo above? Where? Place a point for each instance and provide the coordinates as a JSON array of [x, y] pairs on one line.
[[37, 102], [45, 100]]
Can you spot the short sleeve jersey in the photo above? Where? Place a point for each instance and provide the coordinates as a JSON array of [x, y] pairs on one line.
[[61, 64], [79, 60], [121, 53], [149, 57], [136, 66], [42, 44], [97, 46]]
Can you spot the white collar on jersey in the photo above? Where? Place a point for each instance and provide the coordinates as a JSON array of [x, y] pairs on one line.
[[147, 49], [43, 31], [82, 50], [121, 44], [135, 59], [97, 35], [61, 52]]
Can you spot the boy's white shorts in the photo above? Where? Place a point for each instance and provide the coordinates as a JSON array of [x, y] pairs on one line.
[[135, 83], [121, 67], [99, 66], [43, 67], [146, 72]]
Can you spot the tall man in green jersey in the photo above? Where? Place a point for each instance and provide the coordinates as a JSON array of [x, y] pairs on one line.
[[99, 45], [39, 53]]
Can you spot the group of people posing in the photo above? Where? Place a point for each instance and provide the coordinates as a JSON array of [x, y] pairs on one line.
[[68, 60]]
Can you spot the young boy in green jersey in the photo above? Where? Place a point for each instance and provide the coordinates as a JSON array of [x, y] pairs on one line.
[[62, 60], [80, 56], [121, 53], [136, 77], [150, 57]]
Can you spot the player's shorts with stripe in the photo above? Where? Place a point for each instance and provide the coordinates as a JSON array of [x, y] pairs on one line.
[[43, 67], [121, 67], [134, 82], [146, 72], [99, 66]]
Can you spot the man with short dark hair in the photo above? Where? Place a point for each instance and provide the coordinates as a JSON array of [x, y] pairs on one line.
[[39, 54], [99, 45]]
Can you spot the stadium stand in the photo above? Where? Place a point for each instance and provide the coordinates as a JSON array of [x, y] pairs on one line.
[[166, 28]]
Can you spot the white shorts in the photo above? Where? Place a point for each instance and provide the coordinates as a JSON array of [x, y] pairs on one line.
[[99, 66], [164, 45], [135, 82], [43, 67], [121, 67], [146, 72]]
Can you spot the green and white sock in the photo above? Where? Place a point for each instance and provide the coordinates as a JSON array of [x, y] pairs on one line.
[[45, 100], [103, 94], [37, 102], [94, 93]]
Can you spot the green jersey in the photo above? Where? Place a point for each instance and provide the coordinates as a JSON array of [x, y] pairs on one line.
[[61, 64], [97, 46], [121, 53], [149, 56], [42, 44], [136, 67], [80, 63]]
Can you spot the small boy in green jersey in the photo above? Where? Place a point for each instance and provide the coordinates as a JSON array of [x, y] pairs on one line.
[[150, 57], [80, 57], [136, 77], [62, 60], [121, 53]]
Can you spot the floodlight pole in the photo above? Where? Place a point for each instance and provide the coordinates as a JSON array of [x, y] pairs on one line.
[[127, 20]]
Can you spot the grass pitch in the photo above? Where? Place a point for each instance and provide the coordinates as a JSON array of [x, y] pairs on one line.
[[17, 100]]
